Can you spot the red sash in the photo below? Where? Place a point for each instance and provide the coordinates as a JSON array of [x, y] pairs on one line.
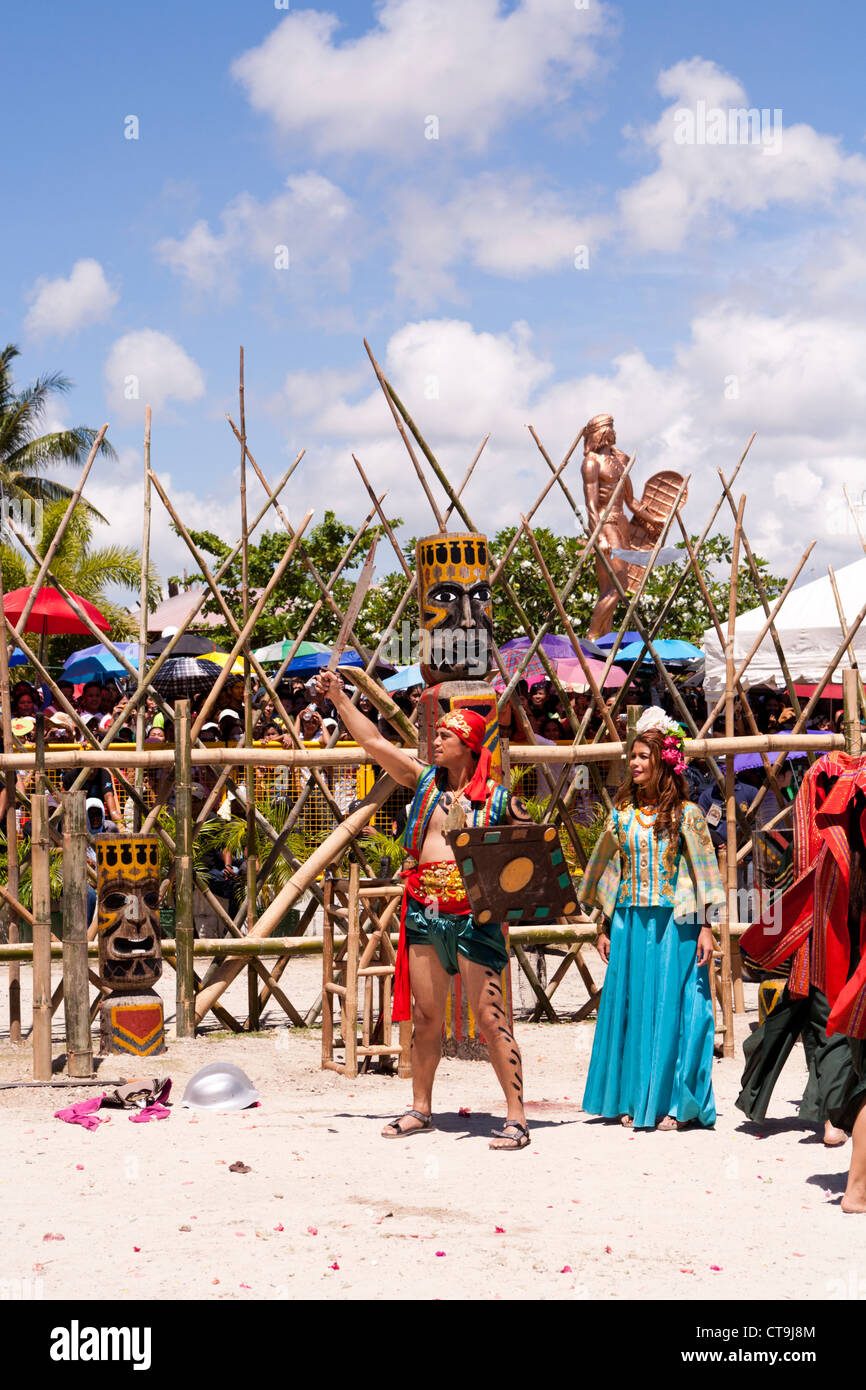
[[402, 1007]]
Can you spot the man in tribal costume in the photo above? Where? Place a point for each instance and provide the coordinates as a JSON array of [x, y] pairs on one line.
[[439, 937]]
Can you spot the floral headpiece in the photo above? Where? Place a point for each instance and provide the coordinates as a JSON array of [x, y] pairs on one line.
[[672, 746]]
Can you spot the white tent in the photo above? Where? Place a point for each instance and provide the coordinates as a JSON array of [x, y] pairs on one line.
[[809, 631]]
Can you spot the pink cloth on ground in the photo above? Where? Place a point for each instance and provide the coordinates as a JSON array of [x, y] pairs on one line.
[[150, 1112], [83, 1113]]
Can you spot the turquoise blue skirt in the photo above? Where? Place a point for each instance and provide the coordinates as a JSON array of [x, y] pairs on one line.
[[653, 1050]]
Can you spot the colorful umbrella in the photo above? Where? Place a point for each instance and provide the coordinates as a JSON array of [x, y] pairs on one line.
[[512, 658], [572, 676], [189, 645], [668, 649], [94, 663], [404, 679], [607, 641], [314, 661], [184, 675], [51, 613], [221, 659], [278, 651]]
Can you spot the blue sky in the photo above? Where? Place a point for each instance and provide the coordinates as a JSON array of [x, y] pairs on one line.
[[724, 289]]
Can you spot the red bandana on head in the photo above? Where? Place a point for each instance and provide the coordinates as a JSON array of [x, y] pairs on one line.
[[471, 729]]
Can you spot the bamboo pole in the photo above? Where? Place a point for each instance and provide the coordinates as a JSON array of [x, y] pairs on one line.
[[440, 520], [851, 691], [249, 772], [744, 665], [569, 630], [142, 614], [76, 988], [330, 850], [210, 698], [769, 771], [41, 938], [843, 624], [122, 755], [183, 875], [271, 686], [503, 561], [9, 743], [765, 603], [731, 913]]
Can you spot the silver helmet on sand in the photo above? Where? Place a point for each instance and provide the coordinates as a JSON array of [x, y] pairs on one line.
[[220, 1086]]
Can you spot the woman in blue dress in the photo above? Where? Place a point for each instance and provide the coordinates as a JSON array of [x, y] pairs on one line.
[[653, 873]]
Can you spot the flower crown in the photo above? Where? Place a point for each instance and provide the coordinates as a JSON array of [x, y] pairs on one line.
[[672, 746]]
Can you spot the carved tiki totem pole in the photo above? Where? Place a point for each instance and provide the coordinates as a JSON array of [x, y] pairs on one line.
[[130, 956]]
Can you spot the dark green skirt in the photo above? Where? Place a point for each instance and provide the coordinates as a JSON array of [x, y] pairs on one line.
[[769, 1047]]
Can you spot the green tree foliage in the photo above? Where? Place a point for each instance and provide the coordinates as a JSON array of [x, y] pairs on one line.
[[296, 594], [86, 572], [25, 454]]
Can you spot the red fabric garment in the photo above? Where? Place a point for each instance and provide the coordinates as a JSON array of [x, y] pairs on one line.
[[402, 1006], [471, 728], [815, 907]]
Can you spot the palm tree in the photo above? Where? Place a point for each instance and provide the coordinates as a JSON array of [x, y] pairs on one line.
[[84, 571], [24, 453]]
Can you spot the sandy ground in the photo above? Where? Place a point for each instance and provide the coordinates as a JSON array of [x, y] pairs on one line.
[[329, 1209]]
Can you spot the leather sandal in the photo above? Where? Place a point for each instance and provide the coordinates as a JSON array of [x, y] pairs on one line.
[[424, 1128]]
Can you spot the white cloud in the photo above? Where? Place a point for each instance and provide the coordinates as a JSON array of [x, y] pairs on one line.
[[149, 368], [703, 186], [505, 225], [313, 220], [794, 388], [62, 306], [473, 66]]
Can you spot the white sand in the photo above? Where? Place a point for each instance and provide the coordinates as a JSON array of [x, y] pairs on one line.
[[332, 1210]]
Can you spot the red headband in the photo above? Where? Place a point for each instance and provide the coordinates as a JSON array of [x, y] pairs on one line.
[[471, 728]]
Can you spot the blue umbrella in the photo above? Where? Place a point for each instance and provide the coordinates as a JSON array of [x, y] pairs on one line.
[[404, 679], [669, 649], [314, 661], [607, 641], [95, 663]]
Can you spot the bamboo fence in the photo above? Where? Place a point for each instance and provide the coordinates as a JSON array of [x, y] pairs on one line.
[[252, 935]]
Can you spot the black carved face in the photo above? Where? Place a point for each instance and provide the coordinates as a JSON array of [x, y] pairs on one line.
[[460, 620]]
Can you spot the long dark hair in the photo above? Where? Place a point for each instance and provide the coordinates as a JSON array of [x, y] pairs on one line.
[[666, 788]]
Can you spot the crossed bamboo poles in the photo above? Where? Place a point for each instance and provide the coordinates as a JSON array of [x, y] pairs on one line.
[[562, 796]]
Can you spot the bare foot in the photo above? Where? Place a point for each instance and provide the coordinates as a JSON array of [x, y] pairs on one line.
[[412, 1122], [833, 1137], [854, 1199], [626, 1121], [668, 1123]]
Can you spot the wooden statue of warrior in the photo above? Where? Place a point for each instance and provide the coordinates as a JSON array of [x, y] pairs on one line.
[[130, 955], [453, 781], [603, 466]]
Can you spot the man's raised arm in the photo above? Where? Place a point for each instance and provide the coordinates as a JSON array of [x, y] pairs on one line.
[[402, 765]]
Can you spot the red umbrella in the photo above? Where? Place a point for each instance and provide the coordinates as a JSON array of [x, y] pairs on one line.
[[51, 613]]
